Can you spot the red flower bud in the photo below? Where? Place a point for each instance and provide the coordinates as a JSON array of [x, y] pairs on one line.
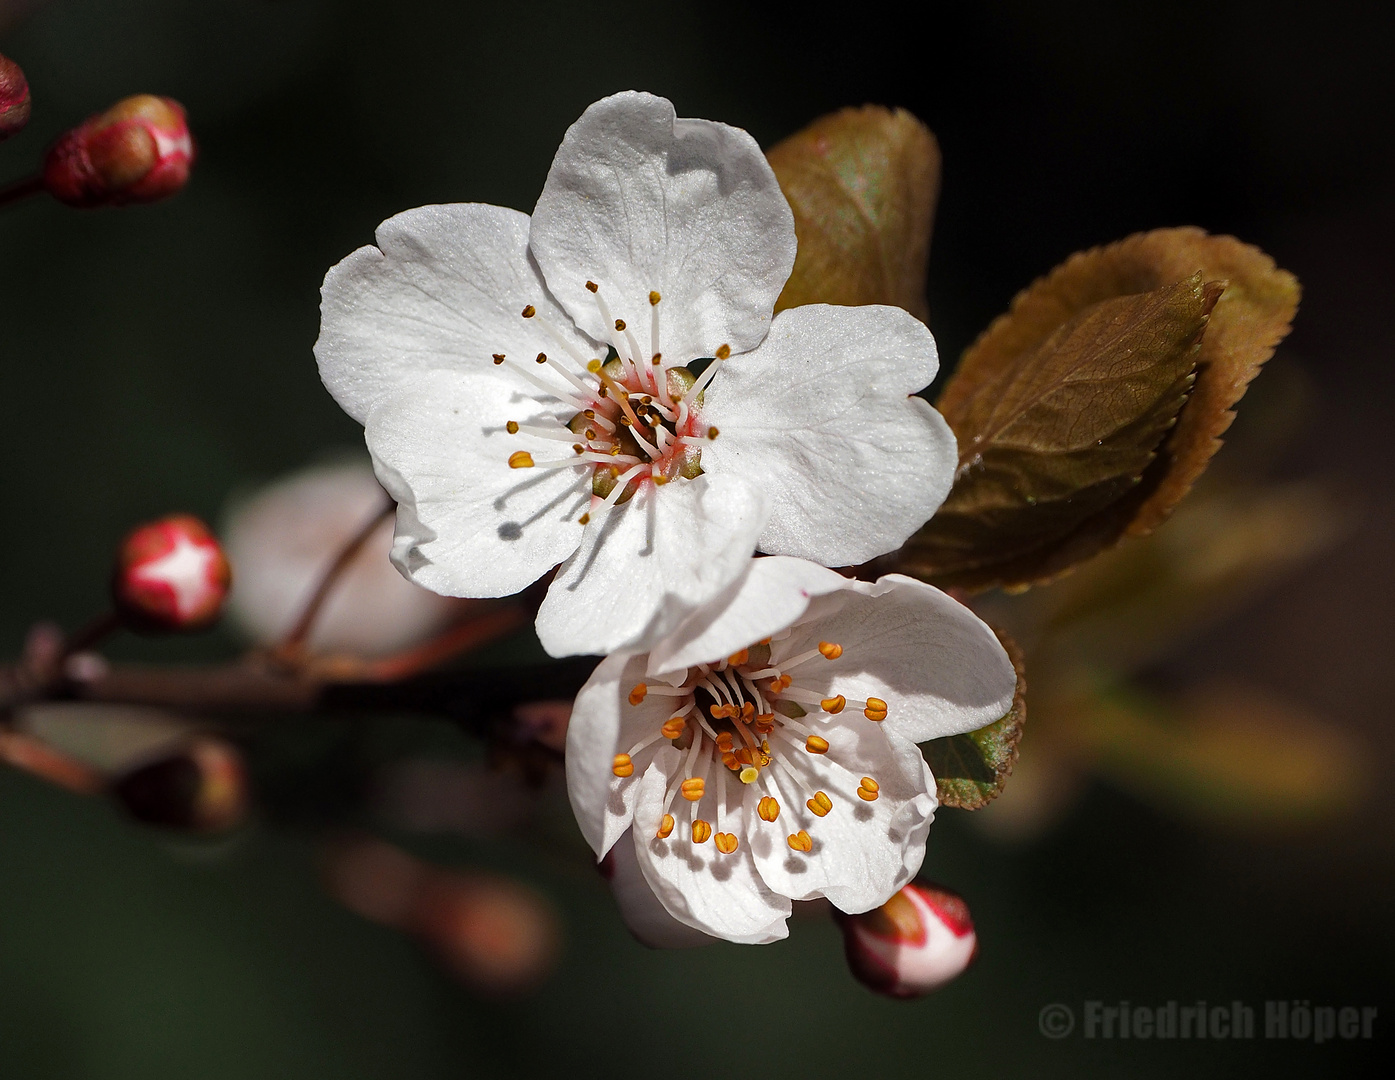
[[137, 151], [171, 575], [202, 787], [919, 940], [14, 98]]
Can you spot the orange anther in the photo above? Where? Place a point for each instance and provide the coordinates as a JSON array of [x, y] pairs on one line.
[[541, 358], [723, 351], [693, 788], [726, 842], [800, 841], [747, 711], [768, 809], [724, 741], [868, 789], [830, 650], [665, 827], [654, 298], [623, 765], [638, 693], [702, 830], [765, 722], [520, 459], [744, 756], [785, 681], [619, 324], [738, 658], [529, 311], [712, 432], [674, 727], [820, 804], [498, 358], [511, 427], [729, 760], [591, 285], [876, 709], [585, 519], [834, 704], [816, 745]]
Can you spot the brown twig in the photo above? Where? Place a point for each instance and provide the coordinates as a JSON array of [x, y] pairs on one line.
[[293, 645], [21, 189]]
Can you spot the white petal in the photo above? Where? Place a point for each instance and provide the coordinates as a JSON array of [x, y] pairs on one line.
[[639, 201], [444, 289], [771, 595], [721, 895], [651, 562], [938, 667], [604, 724], [467, 523], [647, 919], [820, 416], [863, 851]]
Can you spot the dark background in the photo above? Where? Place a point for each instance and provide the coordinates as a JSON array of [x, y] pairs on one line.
[[158, 358]]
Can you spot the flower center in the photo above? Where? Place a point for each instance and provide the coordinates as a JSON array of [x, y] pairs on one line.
[[745, 721], [636, 418]]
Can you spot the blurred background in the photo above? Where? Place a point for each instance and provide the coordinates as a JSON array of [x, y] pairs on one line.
[[159, 358]]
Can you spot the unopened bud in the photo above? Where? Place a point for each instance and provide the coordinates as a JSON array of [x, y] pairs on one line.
[[171, 575], [919, 940], [14, 98], [139, 150], [201, 787]]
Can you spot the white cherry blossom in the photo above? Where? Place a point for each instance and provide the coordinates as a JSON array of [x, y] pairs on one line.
[[526, 389], [766, 751]]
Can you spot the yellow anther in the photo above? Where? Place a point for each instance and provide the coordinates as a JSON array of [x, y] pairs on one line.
[[868, 789], [726, 842], [723, 351], [498, 358], [820, 804], [768, 809], [638, 693], [816, 745], [673, 728], [654, 298], [831, 650], [512, 427], [749, 775], [529, 311], [738, 658], [592, 286], [693, 788], [585, 519], [834, 704], [659, 478], [623, 765], [800, 841], [702, 831], [520, 459], [619, 324], [665, 827], [593, 366], [712, 432]]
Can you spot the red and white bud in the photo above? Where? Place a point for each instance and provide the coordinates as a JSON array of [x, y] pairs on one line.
[[915, 943], [284, 538], [14, 98], [201, 787], [171, 575], [139, 150]]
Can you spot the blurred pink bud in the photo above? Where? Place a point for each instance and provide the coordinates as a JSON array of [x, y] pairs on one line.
[[284, 538], [171, 575], [139, 150], [200, 787], [14, 98], [919, 940]]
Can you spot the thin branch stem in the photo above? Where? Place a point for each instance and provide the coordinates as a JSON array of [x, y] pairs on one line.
[[21, 189], [293, 645]]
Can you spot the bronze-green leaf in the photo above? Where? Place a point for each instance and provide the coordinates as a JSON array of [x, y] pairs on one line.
[[1052, 441], [971, 769], [862, 184]]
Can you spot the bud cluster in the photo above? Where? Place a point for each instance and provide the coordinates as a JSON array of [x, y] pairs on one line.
[[171, 575]]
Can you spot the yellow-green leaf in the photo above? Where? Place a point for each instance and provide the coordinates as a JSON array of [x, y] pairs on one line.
[[862, 184]]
